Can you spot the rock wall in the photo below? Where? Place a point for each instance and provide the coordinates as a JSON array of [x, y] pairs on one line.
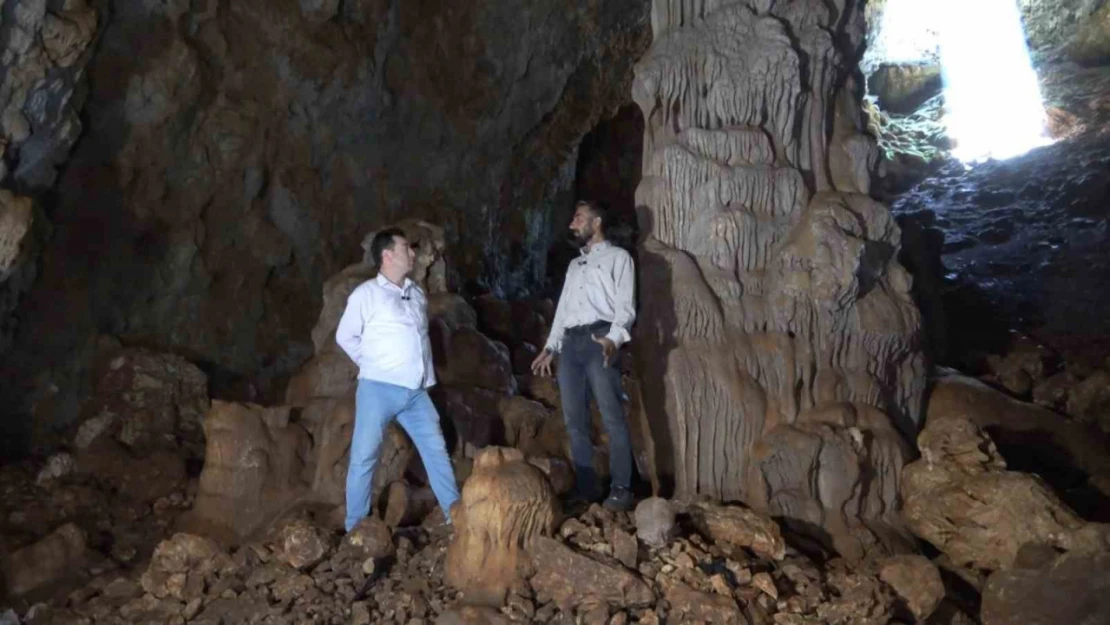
[[773, 308], [234, 153]]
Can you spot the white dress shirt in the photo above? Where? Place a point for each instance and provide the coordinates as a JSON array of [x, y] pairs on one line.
[[384, 329], [600, 286]]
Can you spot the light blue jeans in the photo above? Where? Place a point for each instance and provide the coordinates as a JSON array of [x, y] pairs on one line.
[[376, 405]]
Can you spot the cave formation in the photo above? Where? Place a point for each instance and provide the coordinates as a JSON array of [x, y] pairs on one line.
[[847, 339]]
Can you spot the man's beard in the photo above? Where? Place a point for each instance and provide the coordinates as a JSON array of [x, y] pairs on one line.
[[580, 240]]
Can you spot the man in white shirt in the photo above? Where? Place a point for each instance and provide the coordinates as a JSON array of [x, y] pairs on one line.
[[384, 329], [593, 319]]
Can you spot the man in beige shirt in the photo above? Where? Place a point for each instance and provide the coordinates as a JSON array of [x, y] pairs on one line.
[[593, 319]]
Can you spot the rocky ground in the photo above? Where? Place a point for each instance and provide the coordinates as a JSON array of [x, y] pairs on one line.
[[720, 565], [88, 549]]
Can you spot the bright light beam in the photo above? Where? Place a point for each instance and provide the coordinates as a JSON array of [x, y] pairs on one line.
[[993, 100]]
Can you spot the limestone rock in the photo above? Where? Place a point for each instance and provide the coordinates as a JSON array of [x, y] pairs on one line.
[[960, 498], [229, 197], [655, 522], [163, 471], [1089, 401], [44, 65], [260, 460], [916, 580], [506, 505], [301, 544], [181, 563], [467, 358], [1091, 41], [15, 223], [57, 465], [570, 578], [902, 88], [369, 538], [1048, 441], [558, 471], [625, 549], [859, 599], [405, 505], [472, 615], [739, 527], [691, 606], [1069, 588], [776, 291], [54, 557], [150, 400]]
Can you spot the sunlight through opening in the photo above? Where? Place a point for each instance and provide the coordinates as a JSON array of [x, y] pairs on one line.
[[993, 103], [992, 97]]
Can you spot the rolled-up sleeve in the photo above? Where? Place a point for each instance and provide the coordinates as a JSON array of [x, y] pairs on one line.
[[624, 299]]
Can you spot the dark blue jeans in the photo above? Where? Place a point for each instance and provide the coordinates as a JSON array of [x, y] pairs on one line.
[[581, 363]]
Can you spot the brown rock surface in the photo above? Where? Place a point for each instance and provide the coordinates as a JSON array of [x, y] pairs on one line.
[[300, 544], [237, 157], [181, 564], [147, 400], [261, 460], [691, 606], [54, 557], [960, 497], [15, 222], [740, 527], [506, 505], [1050, 441], [917, 582], [570, 578], [1069, 588]]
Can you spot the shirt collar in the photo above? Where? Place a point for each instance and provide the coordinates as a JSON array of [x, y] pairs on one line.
[[385, 283], [597, 247]]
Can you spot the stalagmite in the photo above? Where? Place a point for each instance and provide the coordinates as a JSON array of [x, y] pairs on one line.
[[778, 321]]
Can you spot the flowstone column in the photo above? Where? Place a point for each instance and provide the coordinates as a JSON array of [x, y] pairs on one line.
[[775, 315]]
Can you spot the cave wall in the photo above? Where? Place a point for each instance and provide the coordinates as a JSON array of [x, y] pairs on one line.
[[774, 312], [234, 154]]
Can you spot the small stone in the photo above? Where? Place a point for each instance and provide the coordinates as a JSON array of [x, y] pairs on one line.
[[368, 566], [719, 585], [764, 582], [655, 522], [684, 562], [741, 575], [360, 613], [625, 547], [192, 608]]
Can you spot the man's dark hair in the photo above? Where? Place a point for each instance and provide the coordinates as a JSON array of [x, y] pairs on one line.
[[600, 211], [383, 241]]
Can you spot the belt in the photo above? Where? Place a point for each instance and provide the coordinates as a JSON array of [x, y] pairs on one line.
[[588, 328]]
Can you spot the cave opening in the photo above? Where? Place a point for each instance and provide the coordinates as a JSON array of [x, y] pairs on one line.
[[942, 86]]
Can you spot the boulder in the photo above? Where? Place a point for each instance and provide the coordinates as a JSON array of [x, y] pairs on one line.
[[570, 578], [58, 555]]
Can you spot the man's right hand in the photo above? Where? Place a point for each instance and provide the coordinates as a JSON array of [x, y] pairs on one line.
[[541, 366]]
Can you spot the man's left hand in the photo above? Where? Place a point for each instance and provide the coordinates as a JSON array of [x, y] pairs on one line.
[[608, 348]]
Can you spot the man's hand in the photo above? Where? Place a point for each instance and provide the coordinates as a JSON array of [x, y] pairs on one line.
[[608, 348], [541, 366]]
